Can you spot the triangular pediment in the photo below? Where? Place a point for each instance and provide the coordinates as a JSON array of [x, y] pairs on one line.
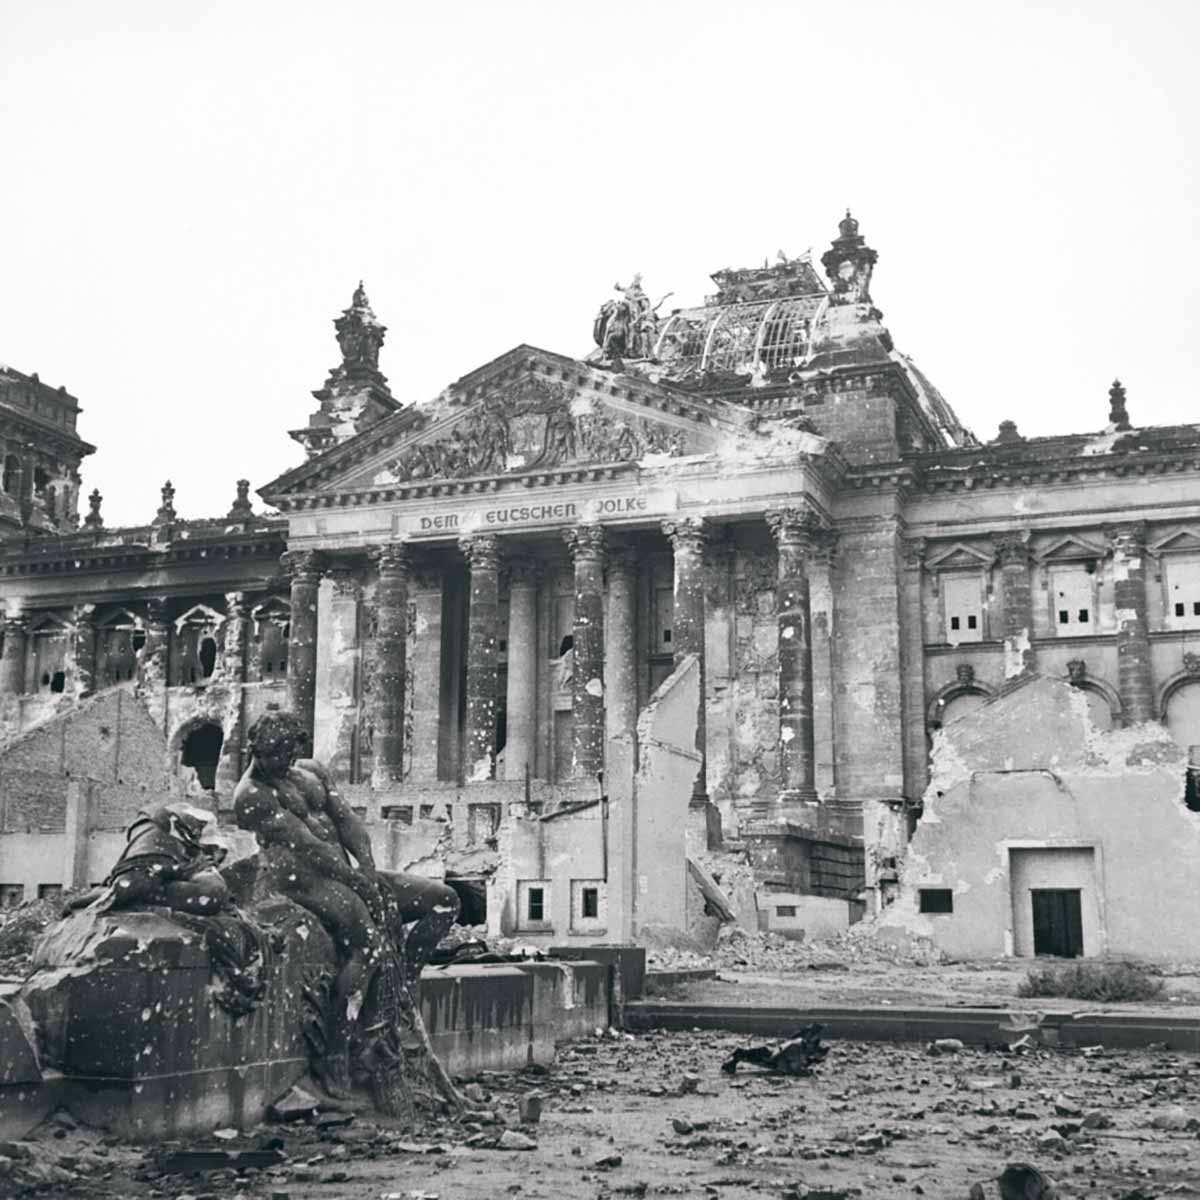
[[527, 412], [1183, 540], [1068, 549], [958, 556]]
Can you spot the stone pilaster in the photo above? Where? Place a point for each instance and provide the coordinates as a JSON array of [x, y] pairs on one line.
[[521, 701], [305, 567], [85, 650], [587, 696], [391, 645], [620, 642], [1135, 680], [154, 662], [795, 531], [687, 536], [483, 557], [1016, 601], [12, 662], [912, 669]]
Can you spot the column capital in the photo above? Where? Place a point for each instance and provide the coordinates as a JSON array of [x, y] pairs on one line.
[[585, 541], [84, 614], [686, 533], [1012, 547], [237, 605], [623, 558], [482, 551], [1127, 538], [391, 558], [304, 566], [17, 623], [794, 525], [345, 580], [157, 608], [914, 551], [524, 570]]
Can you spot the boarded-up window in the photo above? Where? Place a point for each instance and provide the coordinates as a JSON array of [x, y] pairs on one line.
[[1072, 600], [1183, 592], [962, 600]]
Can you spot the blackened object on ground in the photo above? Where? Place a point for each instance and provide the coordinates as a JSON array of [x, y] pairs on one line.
[[797, 1056], [475, 951], [1019, 1181]]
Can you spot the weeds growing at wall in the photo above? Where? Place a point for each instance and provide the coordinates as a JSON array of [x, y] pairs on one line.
[[1106, 982]]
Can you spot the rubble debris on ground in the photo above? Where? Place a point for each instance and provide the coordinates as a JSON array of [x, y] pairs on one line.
[[878, 1120], [796, 1056]]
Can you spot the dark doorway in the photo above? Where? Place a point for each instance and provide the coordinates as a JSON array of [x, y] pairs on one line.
[[208, 657], [1057, 922], [202, 750]]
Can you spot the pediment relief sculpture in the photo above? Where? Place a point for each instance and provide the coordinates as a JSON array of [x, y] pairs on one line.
[[535, 426]]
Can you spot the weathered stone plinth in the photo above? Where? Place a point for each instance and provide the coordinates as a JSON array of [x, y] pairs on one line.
[[124, 1005]]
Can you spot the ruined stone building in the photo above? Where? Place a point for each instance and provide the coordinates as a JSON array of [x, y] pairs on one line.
[[731, 571]]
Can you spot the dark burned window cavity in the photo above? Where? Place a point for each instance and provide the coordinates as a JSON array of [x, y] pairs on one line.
[[785, 910], [590, 903], [536, 909], [397, 812], [937, 900]]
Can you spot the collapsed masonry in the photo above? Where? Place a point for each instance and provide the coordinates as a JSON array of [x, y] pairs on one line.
[[482, 592], [1042, 834]]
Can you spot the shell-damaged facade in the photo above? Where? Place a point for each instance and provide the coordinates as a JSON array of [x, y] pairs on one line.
[[730, 571]]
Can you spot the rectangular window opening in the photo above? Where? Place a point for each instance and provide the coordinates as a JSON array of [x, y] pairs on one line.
[[954, 623], [785, 910], [937, 900], [397, 812], [1179, 610], [536, 908], [1083, 616], [1063, 616], [972, 621], [1196, 608], [666, 636], [590, 903]]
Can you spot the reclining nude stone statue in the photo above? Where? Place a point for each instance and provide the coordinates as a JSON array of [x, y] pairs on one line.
[[317, 853]]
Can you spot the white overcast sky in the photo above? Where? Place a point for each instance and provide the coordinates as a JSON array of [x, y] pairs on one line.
[[190, 191]]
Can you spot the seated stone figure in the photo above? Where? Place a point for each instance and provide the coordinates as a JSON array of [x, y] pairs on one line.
[[318, 854]]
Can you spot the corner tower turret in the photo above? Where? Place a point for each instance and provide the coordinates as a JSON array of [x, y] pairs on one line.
[[849, 263], [356, 394]]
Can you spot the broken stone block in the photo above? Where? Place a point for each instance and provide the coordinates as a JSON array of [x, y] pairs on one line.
[[946, 1046], [511, 1140]]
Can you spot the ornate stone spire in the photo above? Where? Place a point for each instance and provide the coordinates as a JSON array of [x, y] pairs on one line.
[[849, 264], [94, 520], [1118, 415], [166, 510], [356, 394], [241, 510]]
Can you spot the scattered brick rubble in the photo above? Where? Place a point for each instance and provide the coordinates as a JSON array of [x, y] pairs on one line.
[[653, 1115]]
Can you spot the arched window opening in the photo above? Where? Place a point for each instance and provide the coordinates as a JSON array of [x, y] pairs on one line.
[[202, 752], [208, 657], [40, 481], [12, 474]]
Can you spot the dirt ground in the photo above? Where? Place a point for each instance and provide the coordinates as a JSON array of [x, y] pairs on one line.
[[654, 1115]]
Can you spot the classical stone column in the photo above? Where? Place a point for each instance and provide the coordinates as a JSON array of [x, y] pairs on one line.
[[1016, 599], [85, 650], [587, 698], [794, 530], [12, 663], [620, 642], [483, 557], [305, 567], [686, 535], [424, 671], [234, 648], [391, 644], [521, 705], [1135, 681]]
